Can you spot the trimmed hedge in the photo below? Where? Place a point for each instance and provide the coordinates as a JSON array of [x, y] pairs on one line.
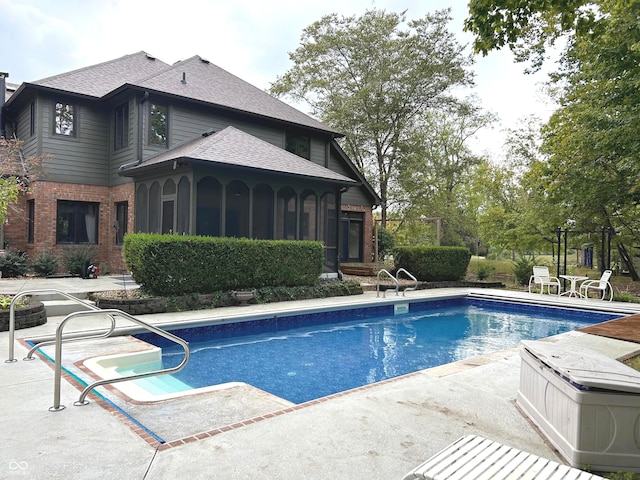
[[429, 264], [178, 265]]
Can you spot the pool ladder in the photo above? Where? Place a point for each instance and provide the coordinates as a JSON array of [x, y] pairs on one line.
[[92, 310], [396, 281]]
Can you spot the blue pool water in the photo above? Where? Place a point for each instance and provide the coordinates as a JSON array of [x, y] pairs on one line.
[[304, 357]]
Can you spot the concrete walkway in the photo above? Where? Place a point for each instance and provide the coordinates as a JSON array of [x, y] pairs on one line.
[[376, 432]]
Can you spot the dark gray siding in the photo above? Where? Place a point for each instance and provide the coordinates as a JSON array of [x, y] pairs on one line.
[[127, 154], [29, 142], [82, 158]]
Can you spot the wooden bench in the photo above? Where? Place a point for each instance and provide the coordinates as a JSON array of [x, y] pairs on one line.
[[476, 458]]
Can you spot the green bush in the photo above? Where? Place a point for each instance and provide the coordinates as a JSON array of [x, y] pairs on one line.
[[46, 263], [431, 264], [76, 257], [13, 264], [172, 264], [523, 269], [484, 269], [385, 243]]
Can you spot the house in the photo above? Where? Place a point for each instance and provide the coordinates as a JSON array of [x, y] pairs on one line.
[[136, 144]]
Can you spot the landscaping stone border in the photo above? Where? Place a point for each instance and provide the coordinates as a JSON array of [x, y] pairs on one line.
[[30, 315]]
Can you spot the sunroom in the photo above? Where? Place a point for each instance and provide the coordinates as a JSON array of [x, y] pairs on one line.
[[232, 184]]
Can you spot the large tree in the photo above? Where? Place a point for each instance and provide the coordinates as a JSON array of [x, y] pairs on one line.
[[593, 137], [592, 177], [436, 174], [375, 78]]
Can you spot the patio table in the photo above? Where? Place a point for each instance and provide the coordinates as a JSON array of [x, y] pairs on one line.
[[574, 279]]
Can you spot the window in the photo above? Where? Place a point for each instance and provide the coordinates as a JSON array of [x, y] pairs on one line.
[[31, 207], [32, 118], [298, 144], [65, 121], [158, 125], [77, 222], [120, 225], [121, 127]]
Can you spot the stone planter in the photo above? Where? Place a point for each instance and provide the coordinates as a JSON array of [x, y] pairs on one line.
[[28, 316], [133, 306], [243, 297]]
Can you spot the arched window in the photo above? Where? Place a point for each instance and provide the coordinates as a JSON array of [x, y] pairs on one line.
[[263, 212], [168, 206], [208, 207], [237, 210], [308, 216], [142, 208], [154, 208], [184, 207], [286, 214]]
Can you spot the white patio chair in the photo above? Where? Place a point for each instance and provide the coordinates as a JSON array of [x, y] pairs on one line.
[[602, 285], [543, 278]]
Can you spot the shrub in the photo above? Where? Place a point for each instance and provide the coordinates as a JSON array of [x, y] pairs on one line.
[[172, 264], [13, 264], [523, 269], [431, 264], [484, 269], [75, 258], [385, 243], [46, 263]]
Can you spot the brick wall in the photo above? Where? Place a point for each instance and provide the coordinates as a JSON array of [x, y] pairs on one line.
[[46, 195]]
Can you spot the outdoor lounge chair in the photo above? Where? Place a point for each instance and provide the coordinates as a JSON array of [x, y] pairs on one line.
[[473, 458], [543, 278], [603, 285]]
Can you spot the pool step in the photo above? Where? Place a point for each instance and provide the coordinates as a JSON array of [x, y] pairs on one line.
[[60, 308]]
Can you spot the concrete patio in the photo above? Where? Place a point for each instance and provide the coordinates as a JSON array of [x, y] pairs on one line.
[[375, 432]]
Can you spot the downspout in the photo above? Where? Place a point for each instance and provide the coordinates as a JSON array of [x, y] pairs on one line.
[[3, 93], [141, 102]]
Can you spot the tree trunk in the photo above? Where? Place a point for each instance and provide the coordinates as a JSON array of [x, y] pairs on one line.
[[628, 260]]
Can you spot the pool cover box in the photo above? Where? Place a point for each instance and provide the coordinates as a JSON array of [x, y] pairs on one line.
[[586, 404]]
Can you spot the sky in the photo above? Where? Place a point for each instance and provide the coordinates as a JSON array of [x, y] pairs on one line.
[[249, 38]]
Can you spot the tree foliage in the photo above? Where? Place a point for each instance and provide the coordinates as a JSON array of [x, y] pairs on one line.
[[16, 173], [592, 139], [527, 27], [436, 174], [375, 78], [591, 178]]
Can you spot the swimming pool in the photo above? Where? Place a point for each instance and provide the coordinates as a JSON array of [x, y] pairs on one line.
[[308, 356]]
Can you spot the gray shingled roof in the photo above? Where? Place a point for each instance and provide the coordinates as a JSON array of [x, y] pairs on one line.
[[205, 82], [209, 83], [234, 147], [98, 80]]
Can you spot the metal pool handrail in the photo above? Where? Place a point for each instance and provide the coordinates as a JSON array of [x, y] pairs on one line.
[[409, 289], [395, 280], [12, 315], [115, 313]]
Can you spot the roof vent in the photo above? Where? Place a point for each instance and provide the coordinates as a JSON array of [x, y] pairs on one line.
[[203, 60], [150, 57], [208, 132], [184, 78]]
